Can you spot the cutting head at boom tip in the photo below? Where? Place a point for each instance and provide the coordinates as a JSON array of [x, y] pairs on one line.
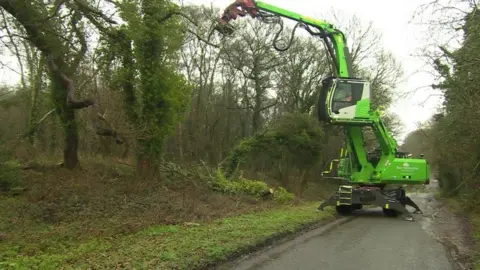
[[240, 8]]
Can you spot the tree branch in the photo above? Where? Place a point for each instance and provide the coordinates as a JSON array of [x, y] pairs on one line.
[[446, 51], [57, 5], [269, 106], [108, 132], [186, 16], [83, 42], [236, 108], [17, 51], [72, 103], [202, 39], [32, 129], [88, 9]]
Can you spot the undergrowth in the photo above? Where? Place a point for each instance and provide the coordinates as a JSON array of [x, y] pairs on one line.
[[9, 169], [243, 186], [61, 215], [179, 246], [466, 204]]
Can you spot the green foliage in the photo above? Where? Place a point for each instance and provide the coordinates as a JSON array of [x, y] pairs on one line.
[[164, 92], [245, 186], [281, 195], [163, 246], [9, 175], [156, 94], [9, 169], [451, 139], [295, 137]]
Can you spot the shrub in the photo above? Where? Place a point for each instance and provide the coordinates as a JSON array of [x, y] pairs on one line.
[[9, 175], [281, 195], [243, 186], [297, 137]]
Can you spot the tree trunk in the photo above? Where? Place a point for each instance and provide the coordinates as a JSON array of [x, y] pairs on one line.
[[36, 86], [303, 183], [68, 121], [70, 149], [180, 142]]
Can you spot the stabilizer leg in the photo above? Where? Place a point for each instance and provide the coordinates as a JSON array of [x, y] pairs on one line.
[[332, 201], [391, 206], [342, 199], [409, 202]]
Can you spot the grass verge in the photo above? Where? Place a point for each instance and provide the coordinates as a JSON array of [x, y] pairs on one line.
[[187, 246]]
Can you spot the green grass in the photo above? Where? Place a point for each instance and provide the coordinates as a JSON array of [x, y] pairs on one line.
[[102, 217], [167, 246]]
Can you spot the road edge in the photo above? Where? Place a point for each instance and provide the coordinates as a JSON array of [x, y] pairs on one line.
[[240, 256], [459, 260]]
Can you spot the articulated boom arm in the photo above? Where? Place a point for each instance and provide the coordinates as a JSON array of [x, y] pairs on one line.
[[344, 100], [264, 11]]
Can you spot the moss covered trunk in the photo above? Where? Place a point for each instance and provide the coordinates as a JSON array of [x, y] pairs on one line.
[[68, 121]]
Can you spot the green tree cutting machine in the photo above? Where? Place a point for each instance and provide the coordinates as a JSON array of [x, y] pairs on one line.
[[345, 101]]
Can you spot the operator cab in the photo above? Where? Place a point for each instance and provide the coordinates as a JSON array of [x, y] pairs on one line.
[[344, 99]]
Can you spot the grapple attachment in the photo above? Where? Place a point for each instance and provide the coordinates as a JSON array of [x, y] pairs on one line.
[[240, 8]]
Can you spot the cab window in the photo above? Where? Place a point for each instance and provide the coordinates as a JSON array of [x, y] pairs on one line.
[[346, 94]]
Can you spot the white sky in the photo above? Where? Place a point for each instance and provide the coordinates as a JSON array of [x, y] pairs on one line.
[[390, 18]]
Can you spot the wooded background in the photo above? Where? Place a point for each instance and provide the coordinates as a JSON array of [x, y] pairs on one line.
[[147, 82], [133, 120], [450, 139]]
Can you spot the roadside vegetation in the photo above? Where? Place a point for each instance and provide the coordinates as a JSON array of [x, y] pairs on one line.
[[450, 140], [134, 135]]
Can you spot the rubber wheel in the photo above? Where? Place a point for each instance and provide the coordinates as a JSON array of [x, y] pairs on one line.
[[390, 212], [357, 206], [344, 209]]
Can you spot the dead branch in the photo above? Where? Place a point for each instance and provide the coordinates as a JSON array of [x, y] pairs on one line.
[[202, 39], [107, 132], [268, 106], [446, 51], [236, 108], [32, 129], [429, 96], [72, 102], [45, 116], [9, 68]]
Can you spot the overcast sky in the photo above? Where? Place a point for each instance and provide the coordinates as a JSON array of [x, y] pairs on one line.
[[390, 18]]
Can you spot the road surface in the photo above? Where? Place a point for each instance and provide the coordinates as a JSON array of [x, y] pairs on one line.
[[367, 241]]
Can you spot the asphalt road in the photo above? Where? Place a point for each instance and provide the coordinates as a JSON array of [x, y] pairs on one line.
[[367, 241]]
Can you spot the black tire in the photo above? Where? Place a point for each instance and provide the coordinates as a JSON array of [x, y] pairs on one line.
[[390, 212], [357, 206], [344, 209]]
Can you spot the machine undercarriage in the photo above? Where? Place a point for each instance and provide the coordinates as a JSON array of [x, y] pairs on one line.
[[393, 201]]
